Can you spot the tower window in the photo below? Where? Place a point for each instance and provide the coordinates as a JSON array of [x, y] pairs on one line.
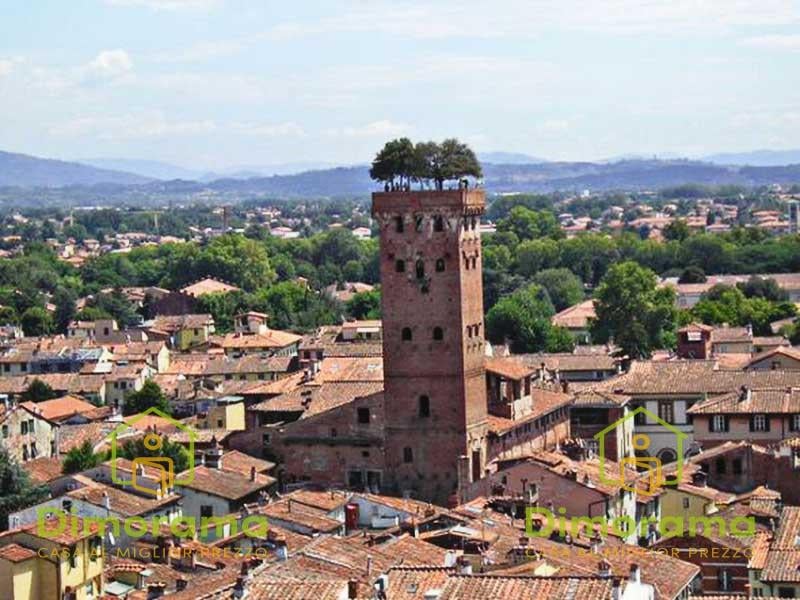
[[398, 224], [420, 269], [438, 223], [474, 262], [440, 265], [418, 221], [406, 334], [473, 223], [438, 333], [363, 416], [400, 266], [408, 455], [424, 407]]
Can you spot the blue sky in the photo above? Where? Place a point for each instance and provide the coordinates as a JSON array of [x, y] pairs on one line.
[[222, 83]]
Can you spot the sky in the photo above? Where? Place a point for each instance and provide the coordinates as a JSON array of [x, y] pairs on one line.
[[218, 84]]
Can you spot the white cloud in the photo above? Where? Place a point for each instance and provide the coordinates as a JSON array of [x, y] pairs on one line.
[[6, 66], [553, 126], [382, 128], [169, 5], [288, 129], [130, 127], [774, 42], [529, 18], [110, 64]]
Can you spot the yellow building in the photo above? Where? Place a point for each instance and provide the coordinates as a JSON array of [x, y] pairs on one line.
[[227, 413], [50, 563]]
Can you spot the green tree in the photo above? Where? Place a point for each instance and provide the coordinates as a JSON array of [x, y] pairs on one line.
[[16, 489], [453, 160], [692, 275], [150, 396], [235, 258], [81, 458], [633, 311], [365, 305], [522, 319], [761, 287], [36, 321], [396, 163], [563, 286], [38, 391], [64, 299], [536, 255], [677, 230], [529, 224], [133, 449]]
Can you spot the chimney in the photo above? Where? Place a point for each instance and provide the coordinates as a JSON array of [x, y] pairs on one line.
[[180, 584], [369, 566], [281, 550], [604, 569], [252, 473], [239, 589], [106, 501], [352, 589], [745, 394], [636, 574], [464, 566], [155, 590], [616, 589]]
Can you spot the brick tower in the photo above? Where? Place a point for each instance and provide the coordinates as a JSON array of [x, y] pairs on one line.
[[433, 351]]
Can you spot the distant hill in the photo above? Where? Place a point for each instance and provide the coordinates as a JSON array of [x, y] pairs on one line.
[[545, 177], [21, 170], [757, 158], [151, 169], [509, 158], [154, 169]]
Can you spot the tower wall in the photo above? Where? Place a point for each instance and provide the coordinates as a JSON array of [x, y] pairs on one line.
[[431, 280]]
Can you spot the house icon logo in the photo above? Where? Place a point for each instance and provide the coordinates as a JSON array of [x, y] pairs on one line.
[[153, 464], [650, 467]]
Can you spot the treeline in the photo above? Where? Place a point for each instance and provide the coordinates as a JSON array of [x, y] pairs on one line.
[[279, 277]]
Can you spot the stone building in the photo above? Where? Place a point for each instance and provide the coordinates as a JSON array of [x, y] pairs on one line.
[[433, 339]]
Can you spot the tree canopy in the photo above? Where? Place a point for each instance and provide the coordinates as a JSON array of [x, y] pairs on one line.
[[16, 489], [150, 396], [634, 311], [400, 162]]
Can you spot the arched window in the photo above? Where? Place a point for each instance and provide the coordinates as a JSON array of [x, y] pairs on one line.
[[438, 333], [473, 223], [400, 266], [439, 265], [398, 224], [474, 262], [408, 455], [424, 406], [438, 223], [420, 269], [406, 334]]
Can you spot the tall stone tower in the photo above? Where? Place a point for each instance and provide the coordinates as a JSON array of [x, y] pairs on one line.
[[433, 332]]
